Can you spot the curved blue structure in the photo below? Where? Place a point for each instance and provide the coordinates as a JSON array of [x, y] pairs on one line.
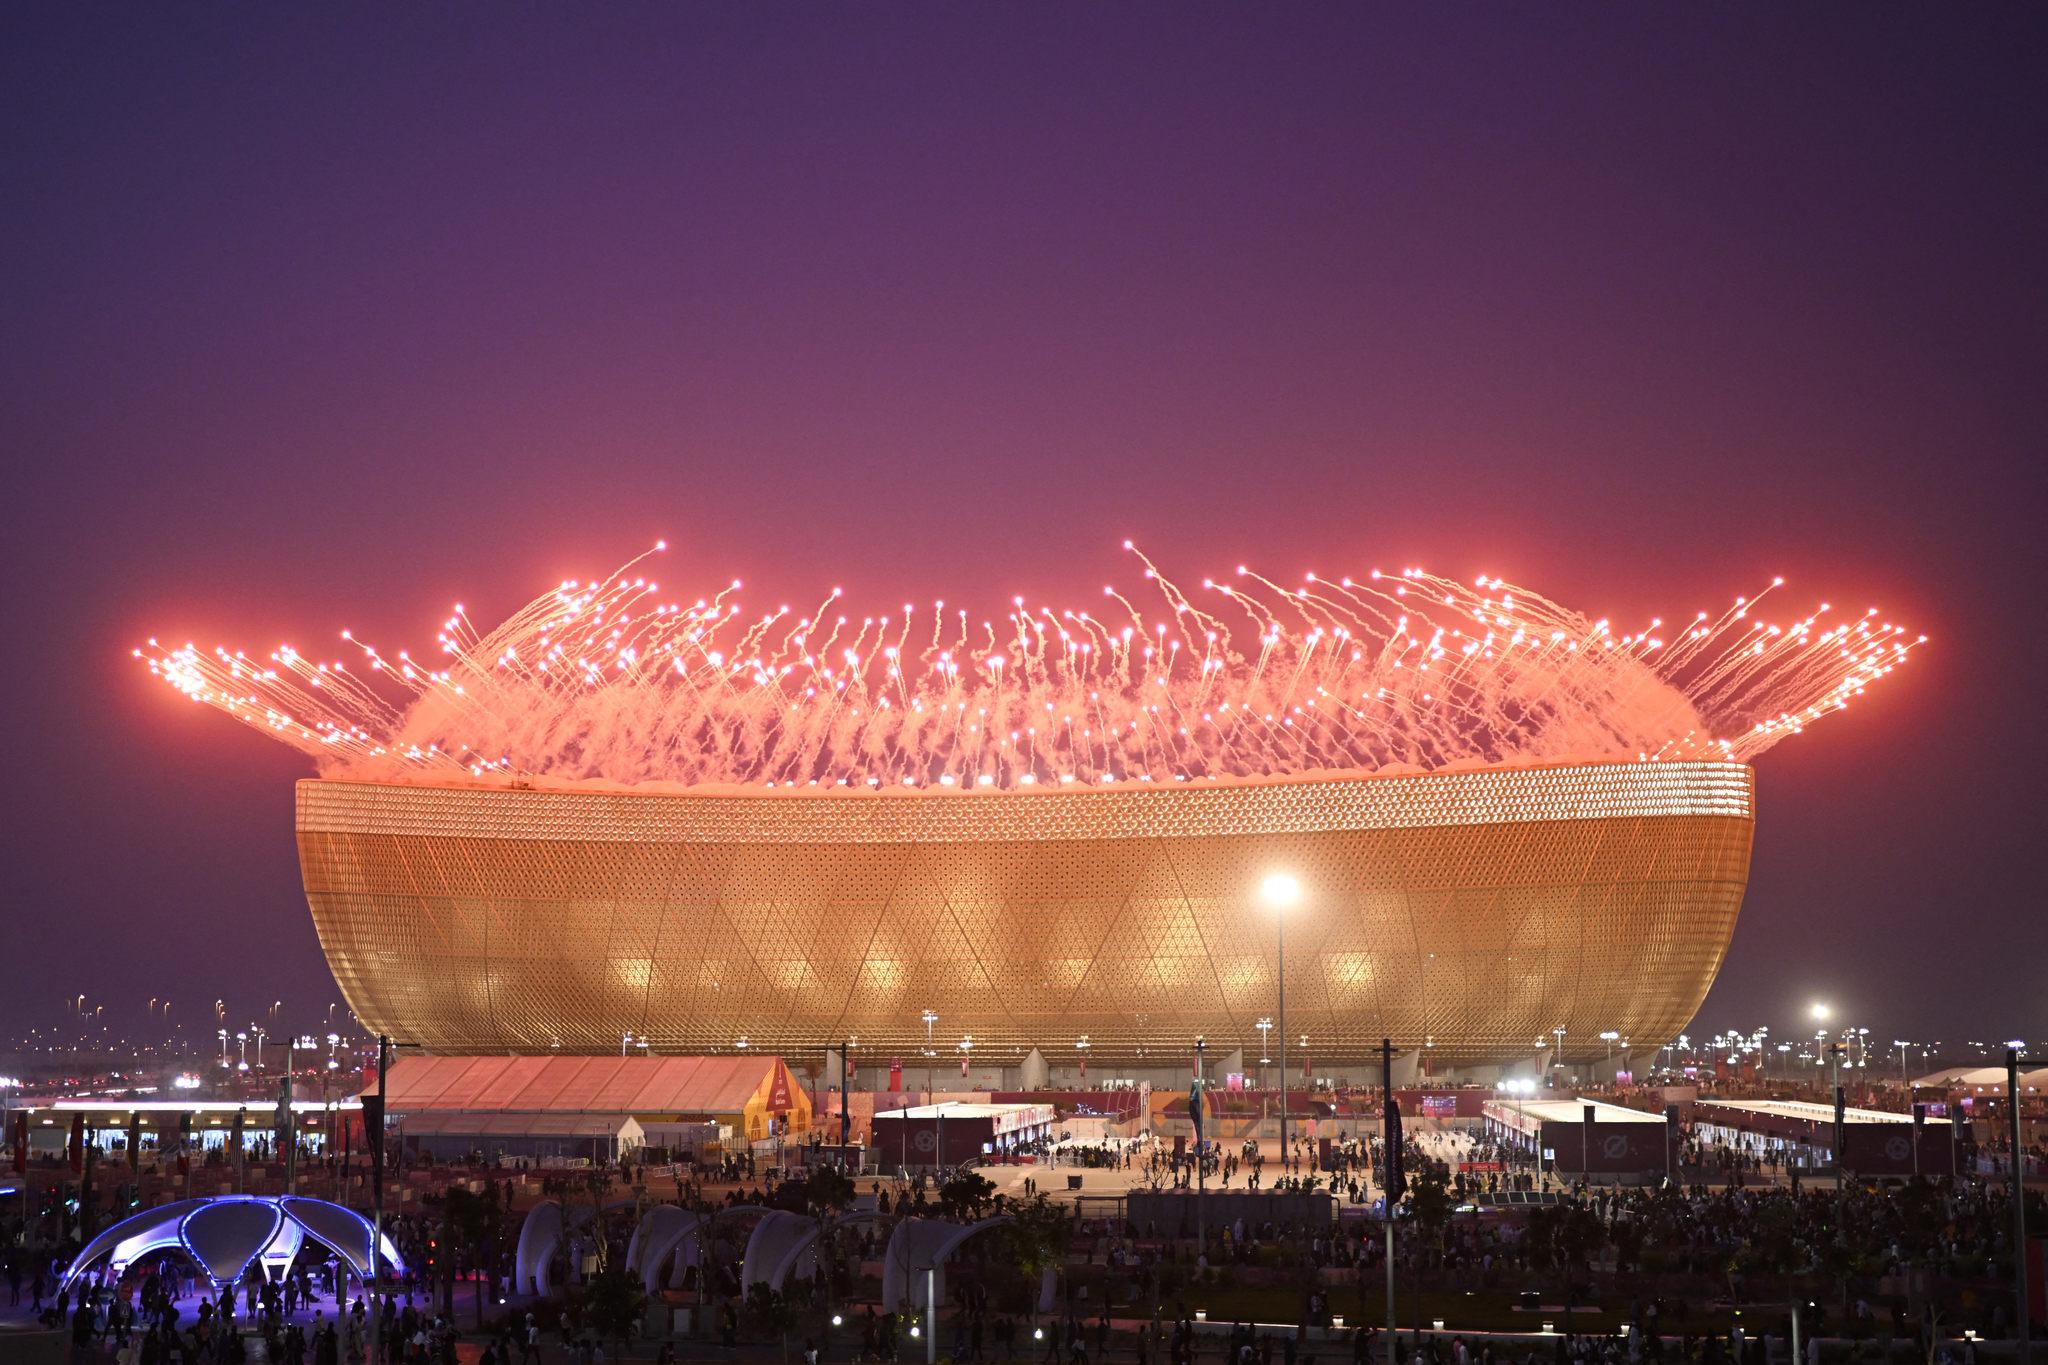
[[226, 1235]]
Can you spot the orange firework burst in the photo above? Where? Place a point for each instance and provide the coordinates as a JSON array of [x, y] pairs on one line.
[[1245, 680]]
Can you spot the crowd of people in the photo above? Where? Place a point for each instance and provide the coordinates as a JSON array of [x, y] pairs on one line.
[[1611, 1246]]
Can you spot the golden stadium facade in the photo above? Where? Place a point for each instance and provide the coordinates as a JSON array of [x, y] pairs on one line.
[[1471, 912]]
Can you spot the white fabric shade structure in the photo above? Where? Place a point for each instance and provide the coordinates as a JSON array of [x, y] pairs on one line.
[[545, 1226], [663, 1229], [774, 1247], [230, 1233], [666, 1229], [784, 1246], [914, 1267]]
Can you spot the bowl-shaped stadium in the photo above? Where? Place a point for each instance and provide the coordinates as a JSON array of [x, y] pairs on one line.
[[1469, 913]]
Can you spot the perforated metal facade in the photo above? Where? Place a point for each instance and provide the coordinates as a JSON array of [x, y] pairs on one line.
[[1473, 912]]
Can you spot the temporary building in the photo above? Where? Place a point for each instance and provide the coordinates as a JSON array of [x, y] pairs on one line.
[[755, 1096], [1583, 1137], [599, 1138], [951, 1133]]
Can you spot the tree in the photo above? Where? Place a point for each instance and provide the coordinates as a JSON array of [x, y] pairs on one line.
[[1037, 1237], [967, 1195], [828, 1190], [475, 1222], [773, 1312], [1429, 1210], [613, 1303]]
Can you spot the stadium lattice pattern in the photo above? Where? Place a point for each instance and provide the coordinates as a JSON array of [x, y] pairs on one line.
[[1469, 912]]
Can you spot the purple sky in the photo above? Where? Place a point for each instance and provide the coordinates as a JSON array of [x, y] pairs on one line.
[[332, 317]]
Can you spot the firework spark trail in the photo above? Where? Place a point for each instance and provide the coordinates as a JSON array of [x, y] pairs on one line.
[[608, 681]]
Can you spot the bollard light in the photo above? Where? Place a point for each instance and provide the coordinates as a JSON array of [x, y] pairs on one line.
[[1336, 1319], [1437, 1324]]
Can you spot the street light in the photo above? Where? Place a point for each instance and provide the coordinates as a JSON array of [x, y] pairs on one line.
[[1201, 1143], [1081, 1046], [1281, 890], [929, 1018], [1265, 1028], [1819, 1011]]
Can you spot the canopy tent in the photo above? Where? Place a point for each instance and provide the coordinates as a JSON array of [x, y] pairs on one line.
[[754, 1093]]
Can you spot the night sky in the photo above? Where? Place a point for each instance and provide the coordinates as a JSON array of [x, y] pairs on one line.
[[335, 315]]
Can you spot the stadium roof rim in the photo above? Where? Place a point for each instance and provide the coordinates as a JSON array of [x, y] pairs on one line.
[[734, 791], [1508, 796]]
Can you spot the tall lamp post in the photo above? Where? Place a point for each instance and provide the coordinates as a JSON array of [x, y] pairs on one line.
[[2019, 1204], [929, 1018], [1197, 1102], [845, 1100], [1281, 890]]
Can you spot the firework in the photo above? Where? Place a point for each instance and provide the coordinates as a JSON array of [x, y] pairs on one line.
[[1240, 680]]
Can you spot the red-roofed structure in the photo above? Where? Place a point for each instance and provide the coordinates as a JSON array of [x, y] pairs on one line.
[[743, 1090]]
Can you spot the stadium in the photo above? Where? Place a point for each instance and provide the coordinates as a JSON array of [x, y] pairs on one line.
[[1470, 914], [619, 820]]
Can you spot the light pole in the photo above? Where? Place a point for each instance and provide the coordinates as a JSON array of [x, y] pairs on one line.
[[1281, 890], [328, 1112], [845, 1099], [223, 1047], [1265, 1028], [2019, 1204], [1835, 1099], [1197, 1098], [1557, 1051], [373, 1134], [966, 1049], [930, 1018], [1081, 1045]]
